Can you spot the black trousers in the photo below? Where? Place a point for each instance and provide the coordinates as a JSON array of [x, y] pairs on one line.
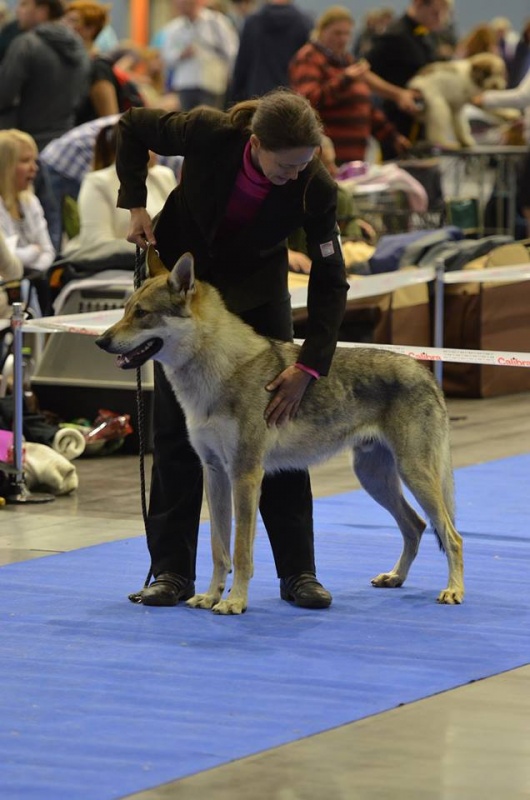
[[286, 503]]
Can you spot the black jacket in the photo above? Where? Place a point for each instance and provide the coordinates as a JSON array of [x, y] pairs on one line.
[[249, 268], [396, 56]]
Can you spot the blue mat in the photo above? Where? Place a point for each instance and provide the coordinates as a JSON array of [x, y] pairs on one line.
[[101, 698]]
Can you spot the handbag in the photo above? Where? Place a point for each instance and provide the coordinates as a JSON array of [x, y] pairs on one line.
[[214, 71], [215, 68]]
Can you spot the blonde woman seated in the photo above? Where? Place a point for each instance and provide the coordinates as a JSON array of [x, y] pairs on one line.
[[22, 220], [21, 216], [103, 226]]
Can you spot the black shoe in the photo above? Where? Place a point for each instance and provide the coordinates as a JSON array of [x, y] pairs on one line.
[[305, 591], [168, 589]]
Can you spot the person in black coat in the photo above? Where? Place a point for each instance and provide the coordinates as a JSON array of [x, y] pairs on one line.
[[406, 47], [269, 39], [251, 176], [520, 64]]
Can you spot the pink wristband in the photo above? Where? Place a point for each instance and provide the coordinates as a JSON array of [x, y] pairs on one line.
[[314, 374]]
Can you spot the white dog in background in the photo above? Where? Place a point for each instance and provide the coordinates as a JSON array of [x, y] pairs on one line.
[[446, 87]]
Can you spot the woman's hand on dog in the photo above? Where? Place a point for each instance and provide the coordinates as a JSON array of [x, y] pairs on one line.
[[289, 387], [140, 228]]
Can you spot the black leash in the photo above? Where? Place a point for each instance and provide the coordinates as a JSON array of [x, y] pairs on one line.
[[139, 276]]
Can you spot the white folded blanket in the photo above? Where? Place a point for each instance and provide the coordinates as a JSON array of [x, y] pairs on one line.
[[46, 469]]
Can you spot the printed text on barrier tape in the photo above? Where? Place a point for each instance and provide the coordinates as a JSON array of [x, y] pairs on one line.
[[497, 358]]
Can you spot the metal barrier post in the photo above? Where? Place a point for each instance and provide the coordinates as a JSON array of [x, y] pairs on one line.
[[511, 200], [438, 333], [16, 325], [21, 494]]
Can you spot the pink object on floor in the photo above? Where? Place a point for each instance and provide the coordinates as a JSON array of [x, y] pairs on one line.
[[6, 445]]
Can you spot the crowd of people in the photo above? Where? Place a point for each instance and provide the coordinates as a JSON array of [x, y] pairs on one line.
[[62, 67], [244, 97]]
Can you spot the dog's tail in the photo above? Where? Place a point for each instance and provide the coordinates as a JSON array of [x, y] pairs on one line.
[[446, 478]]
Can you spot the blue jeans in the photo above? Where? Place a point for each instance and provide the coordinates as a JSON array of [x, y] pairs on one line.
[[57, 188], [50, 204]]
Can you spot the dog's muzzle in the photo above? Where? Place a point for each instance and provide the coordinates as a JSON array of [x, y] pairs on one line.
[[132, 358]]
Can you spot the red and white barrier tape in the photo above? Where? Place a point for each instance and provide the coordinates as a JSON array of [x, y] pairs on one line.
[[95, 323], [499, 358]]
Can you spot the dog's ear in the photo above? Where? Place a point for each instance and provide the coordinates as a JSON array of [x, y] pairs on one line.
[[153, 262], [183, 275]]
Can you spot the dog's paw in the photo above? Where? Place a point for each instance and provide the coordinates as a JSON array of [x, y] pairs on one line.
[[207, 601], [451, 597], [230, 606], [387, 580]]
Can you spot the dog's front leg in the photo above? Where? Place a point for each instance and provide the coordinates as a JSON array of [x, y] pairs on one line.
[[219, 497], [246, 490], [463, 128], [439, 128]]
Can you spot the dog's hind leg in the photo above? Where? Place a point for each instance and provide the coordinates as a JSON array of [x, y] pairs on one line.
[[375, 467], [246, 490], [432, 486], [219, 497]]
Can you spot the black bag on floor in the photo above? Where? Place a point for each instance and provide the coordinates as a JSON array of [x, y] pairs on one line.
[[35, 428]]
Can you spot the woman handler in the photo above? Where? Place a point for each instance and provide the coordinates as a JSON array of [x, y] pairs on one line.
[[250, 177]]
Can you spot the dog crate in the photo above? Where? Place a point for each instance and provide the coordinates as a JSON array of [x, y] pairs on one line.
[[74, 378], [386, 210], [389, 211]]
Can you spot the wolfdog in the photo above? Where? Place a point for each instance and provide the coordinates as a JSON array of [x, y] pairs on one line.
[[386, 407]]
